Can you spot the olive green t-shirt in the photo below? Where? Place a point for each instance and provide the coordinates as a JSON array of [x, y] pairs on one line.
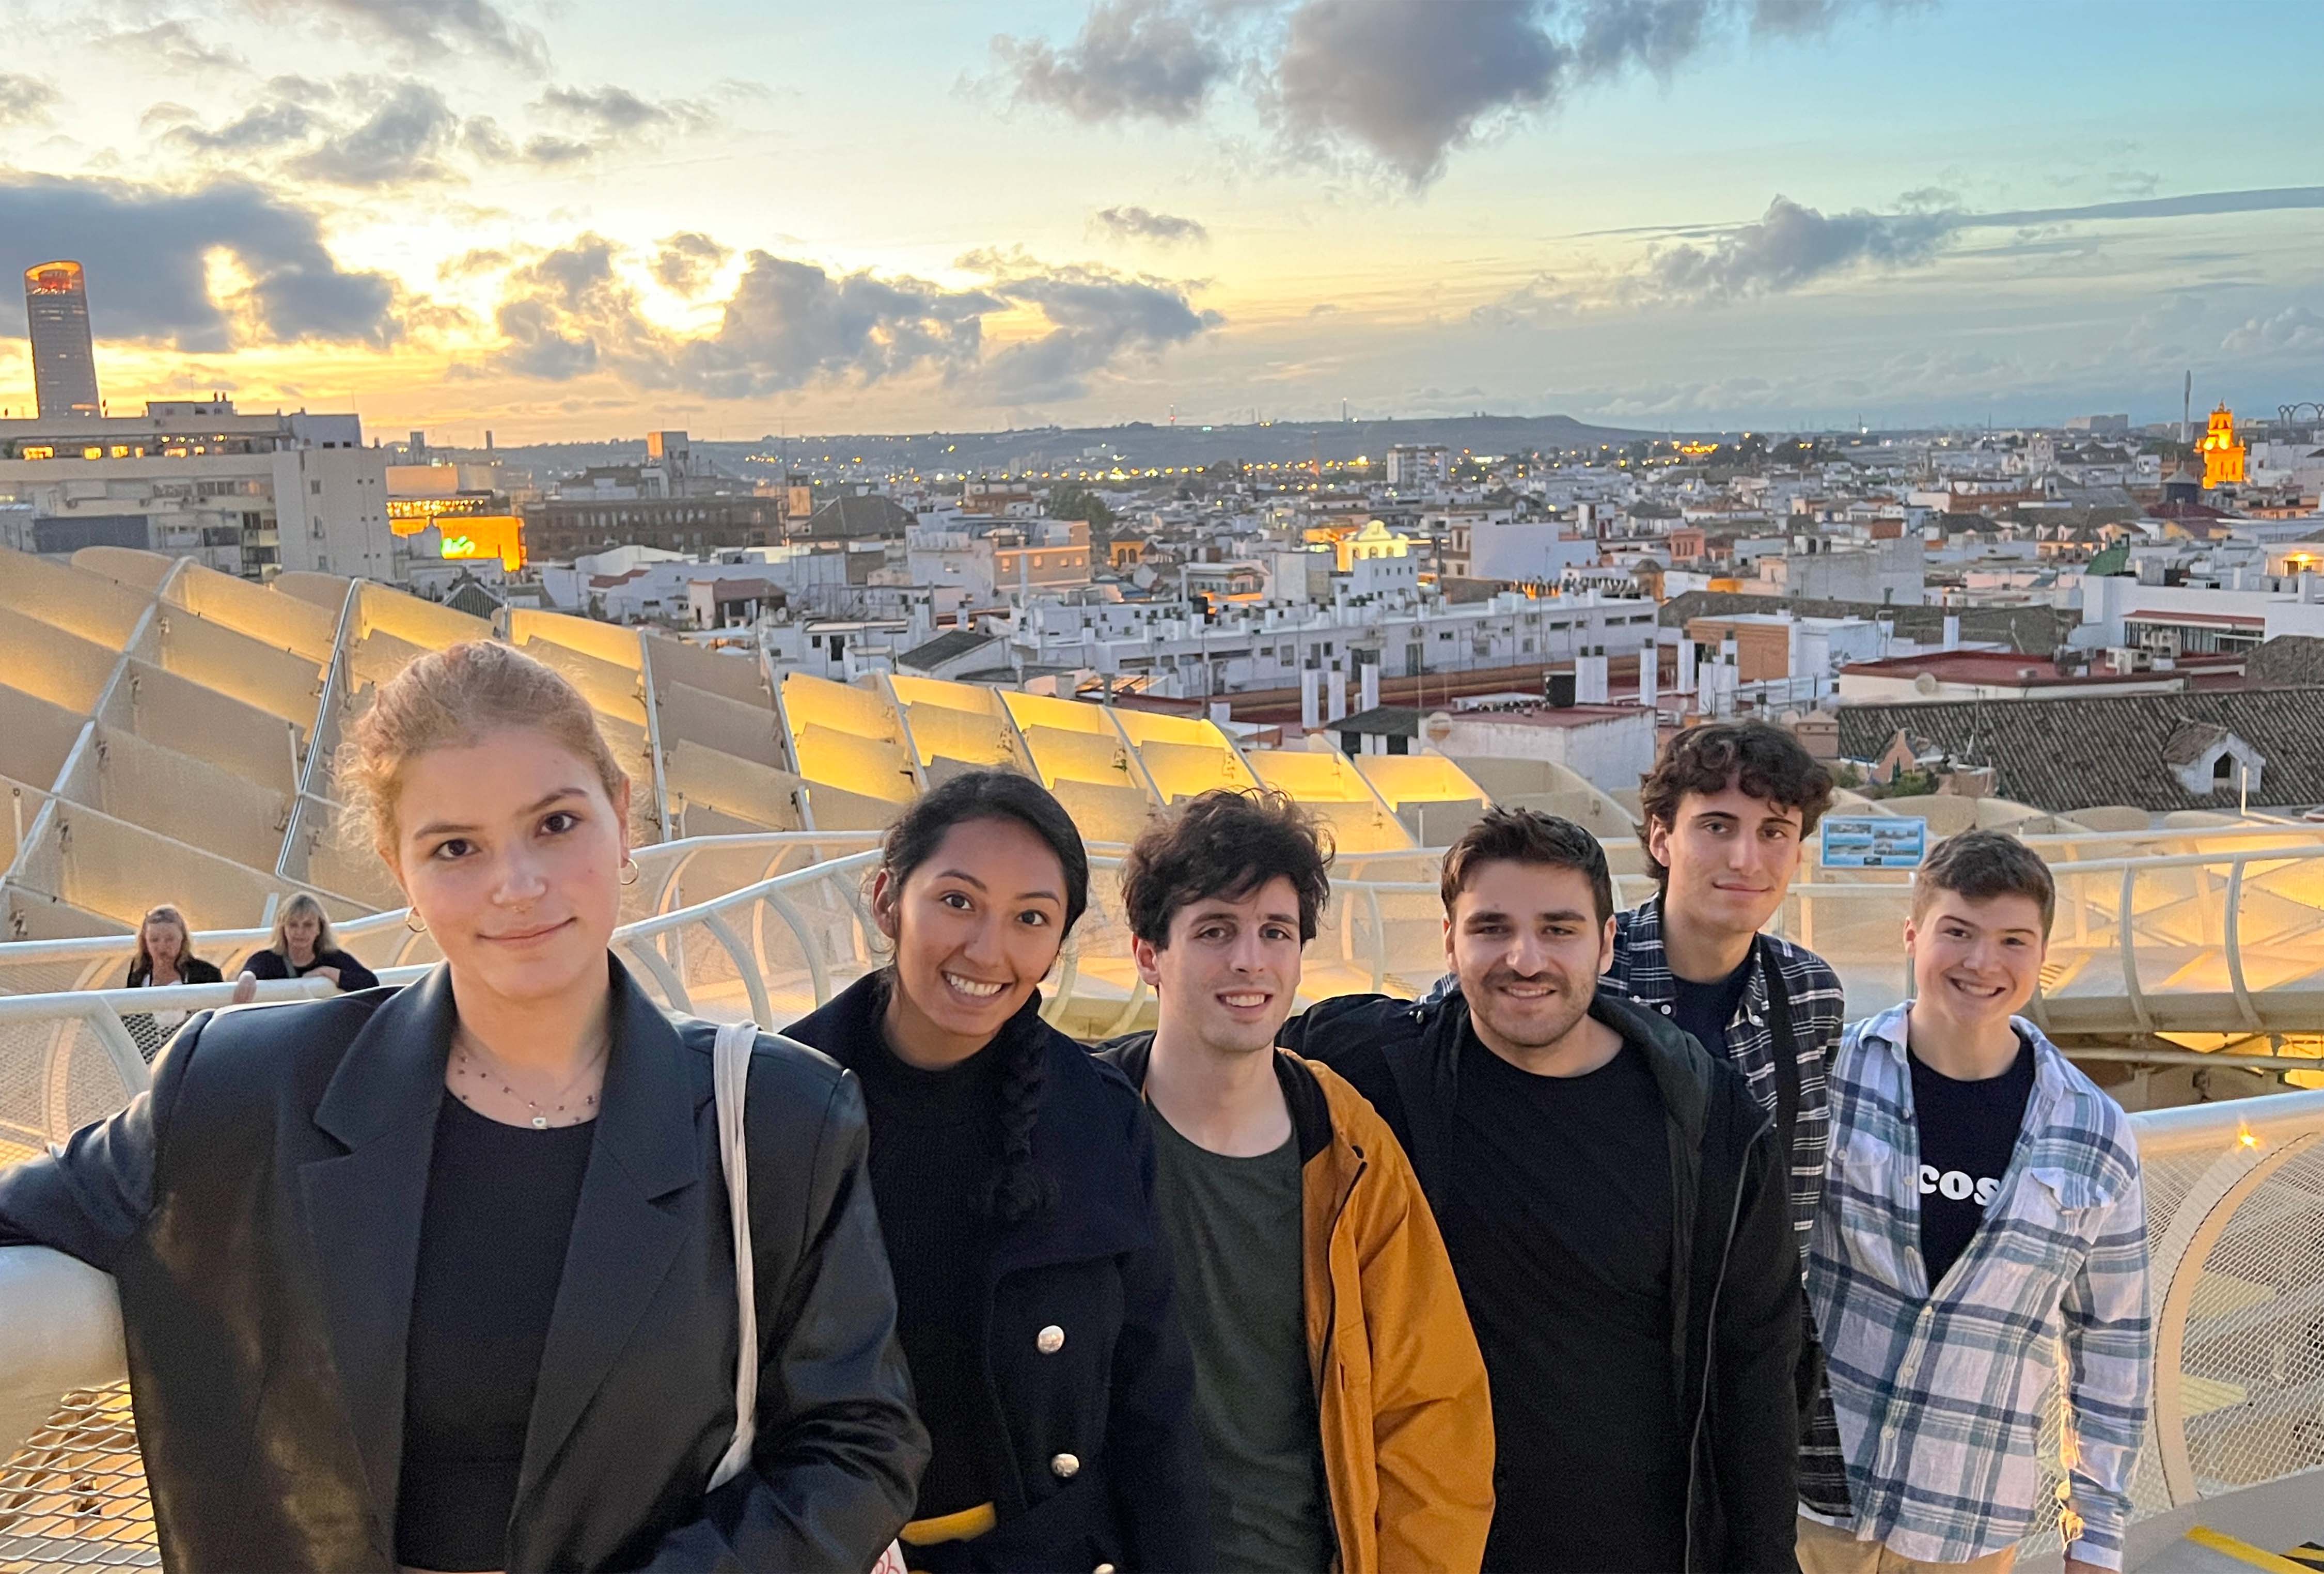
[[1234, 1230]]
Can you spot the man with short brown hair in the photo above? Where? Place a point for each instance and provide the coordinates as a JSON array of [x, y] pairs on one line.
[[1341, 1399], [1615, 1212]]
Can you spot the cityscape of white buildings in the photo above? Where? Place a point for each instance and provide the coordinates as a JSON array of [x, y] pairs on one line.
[[1788, 576]]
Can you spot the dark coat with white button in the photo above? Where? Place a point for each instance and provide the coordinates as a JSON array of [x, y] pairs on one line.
[[1091, 1379]]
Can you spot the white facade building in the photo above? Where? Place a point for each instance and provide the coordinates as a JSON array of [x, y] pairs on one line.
[[1261, 646], [246, 495]]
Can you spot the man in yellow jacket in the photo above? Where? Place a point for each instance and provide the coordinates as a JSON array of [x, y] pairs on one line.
[[1339, 1389]]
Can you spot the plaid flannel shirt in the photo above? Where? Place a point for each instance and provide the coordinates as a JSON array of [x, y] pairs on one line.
[[1813, 992], [1941, 1393]]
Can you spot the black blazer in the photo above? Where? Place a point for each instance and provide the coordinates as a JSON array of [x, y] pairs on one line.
[[1095, 1459], [260, 1211], [271, 964]]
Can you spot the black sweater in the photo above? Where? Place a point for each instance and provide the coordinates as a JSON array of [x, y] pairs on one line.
[[1734, 1269], [271, 964]]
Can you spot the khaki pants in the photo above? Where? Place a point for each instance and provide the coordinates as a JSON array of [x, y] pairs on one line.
[[1826, 1550]]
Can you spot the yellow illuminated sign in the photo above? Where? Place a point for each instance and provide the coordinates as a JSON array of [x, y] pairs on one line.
[[475, 539]]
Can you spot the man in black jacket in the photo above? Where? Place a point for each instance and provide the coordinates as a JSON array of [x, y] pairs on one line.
[[1615, 1212]]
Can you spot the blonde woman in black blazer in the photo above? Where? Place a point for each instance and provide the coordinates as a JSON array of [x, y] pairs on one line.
[[441, 1278]]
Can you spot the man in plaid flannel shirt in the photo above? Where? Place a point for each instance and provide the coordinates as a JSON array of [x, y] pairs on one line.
[[1983, 1205], [1726, 812]]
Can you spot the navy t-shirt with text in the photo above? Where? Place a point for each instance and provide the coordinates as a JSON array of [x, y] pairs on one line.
[[1967, 1132]]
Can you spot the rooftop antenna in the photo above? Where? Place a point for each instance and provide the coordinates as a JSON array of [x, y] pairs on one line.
[[2187, 408]]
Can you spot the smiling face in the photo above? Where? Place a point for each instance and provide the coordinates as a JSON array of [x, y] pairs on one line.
[[976, 927], [1730, 857], [1975, 963], [1227, 976], [512, 853], [1528, 945]]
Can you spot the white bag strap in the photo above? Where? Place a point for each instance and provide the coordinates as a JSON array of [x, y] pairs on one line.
[[730, 1065], [730, 1074]]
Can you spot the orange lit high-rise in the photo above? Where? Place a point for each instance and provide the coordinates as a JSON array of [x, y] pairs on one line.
[[64, 363]]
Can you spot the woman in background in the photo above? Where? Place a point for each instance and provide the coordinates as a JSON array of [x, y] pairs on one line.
[[304, 946], [1014, 1175], [165, 956]]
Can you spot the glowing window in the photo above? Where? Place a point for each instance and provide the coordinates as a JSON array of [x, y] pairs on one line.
[[92, 452], [37, 452]]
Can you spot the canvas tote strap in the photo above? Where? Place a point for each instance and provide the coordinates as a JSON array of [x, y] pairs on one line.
[[730, 1071], [731, 1076]]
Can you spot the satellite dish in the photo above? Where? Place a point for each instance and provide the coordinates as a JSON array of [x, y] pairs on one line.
[[1438, 727], [1925, 684]]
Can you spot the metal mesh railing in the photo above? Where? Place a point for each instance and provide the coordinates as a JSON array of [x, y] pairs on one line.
[[74, 1494]]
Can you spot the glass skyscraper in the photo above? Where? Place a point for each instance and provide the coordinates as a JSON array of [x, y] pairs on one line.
[[64, 364]]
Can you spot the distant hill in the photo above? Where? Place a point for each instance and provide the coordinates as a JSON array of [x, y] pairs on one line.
[[1138, 443]]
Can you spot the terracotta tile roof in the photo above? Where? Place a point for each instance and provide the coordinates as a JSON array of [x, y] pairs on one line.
[[2066, 754]]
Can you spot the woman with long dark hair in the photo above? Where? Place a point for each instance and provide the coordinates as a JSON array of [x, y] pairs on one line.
[[1014, 1175], [444, 1278]]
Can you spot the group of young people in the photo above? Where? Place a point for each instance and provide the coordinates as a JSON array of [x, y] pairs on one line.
[[1616, 1251]]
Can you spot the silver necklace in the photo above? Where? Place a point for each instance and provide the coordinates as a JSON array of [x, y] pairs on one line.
[[487, 1069]]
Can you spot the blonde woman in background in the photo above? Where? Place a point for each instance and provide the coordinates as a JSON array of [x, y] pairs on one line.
[[165, 957], [303, 945]]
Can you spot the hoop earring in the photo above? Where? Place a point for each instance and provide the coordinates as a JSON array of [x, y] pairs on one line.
[[412, 921], [629, 871]]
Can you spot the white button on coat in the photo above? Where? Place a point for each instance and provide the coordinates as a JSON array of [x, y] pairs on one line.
[[1103, 1568], [1050, 1340], [1065, 1467]]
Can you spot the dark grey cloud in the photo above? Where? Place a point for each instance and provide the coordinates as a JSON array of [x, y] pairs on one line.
[[145, 249], [433, 31], [1790, 245], [615, 111], [685, 261], [788, 324], [1140, 224], [1400, 85], [24, 100], [1133, 59], [402, 140], [260, 127], [2191, 204], [1409, 80], [1097, 320]]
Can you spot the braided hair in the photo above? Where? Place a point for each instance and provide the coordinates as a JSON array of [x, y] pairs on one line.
[[1020, 1188]]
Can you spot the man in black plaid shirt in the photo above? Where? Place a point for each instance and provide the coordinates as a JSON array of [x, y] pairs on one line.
[[1726, 812]]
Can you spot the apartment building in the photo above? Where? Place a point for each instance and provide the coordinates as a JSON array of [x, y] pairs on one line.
[[252, 495]]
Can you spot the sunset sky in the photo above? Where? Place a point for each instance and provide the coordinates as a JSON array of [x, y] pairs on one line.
[[563, 218]]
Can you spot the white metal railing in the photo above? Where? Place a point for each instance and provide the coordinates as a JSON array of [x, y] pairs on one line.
[[2208, 943], [2234, 1197]]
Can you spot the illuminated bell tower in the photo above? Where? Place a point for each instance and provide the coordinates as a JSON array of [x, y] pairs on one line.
[[2223, 457]]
